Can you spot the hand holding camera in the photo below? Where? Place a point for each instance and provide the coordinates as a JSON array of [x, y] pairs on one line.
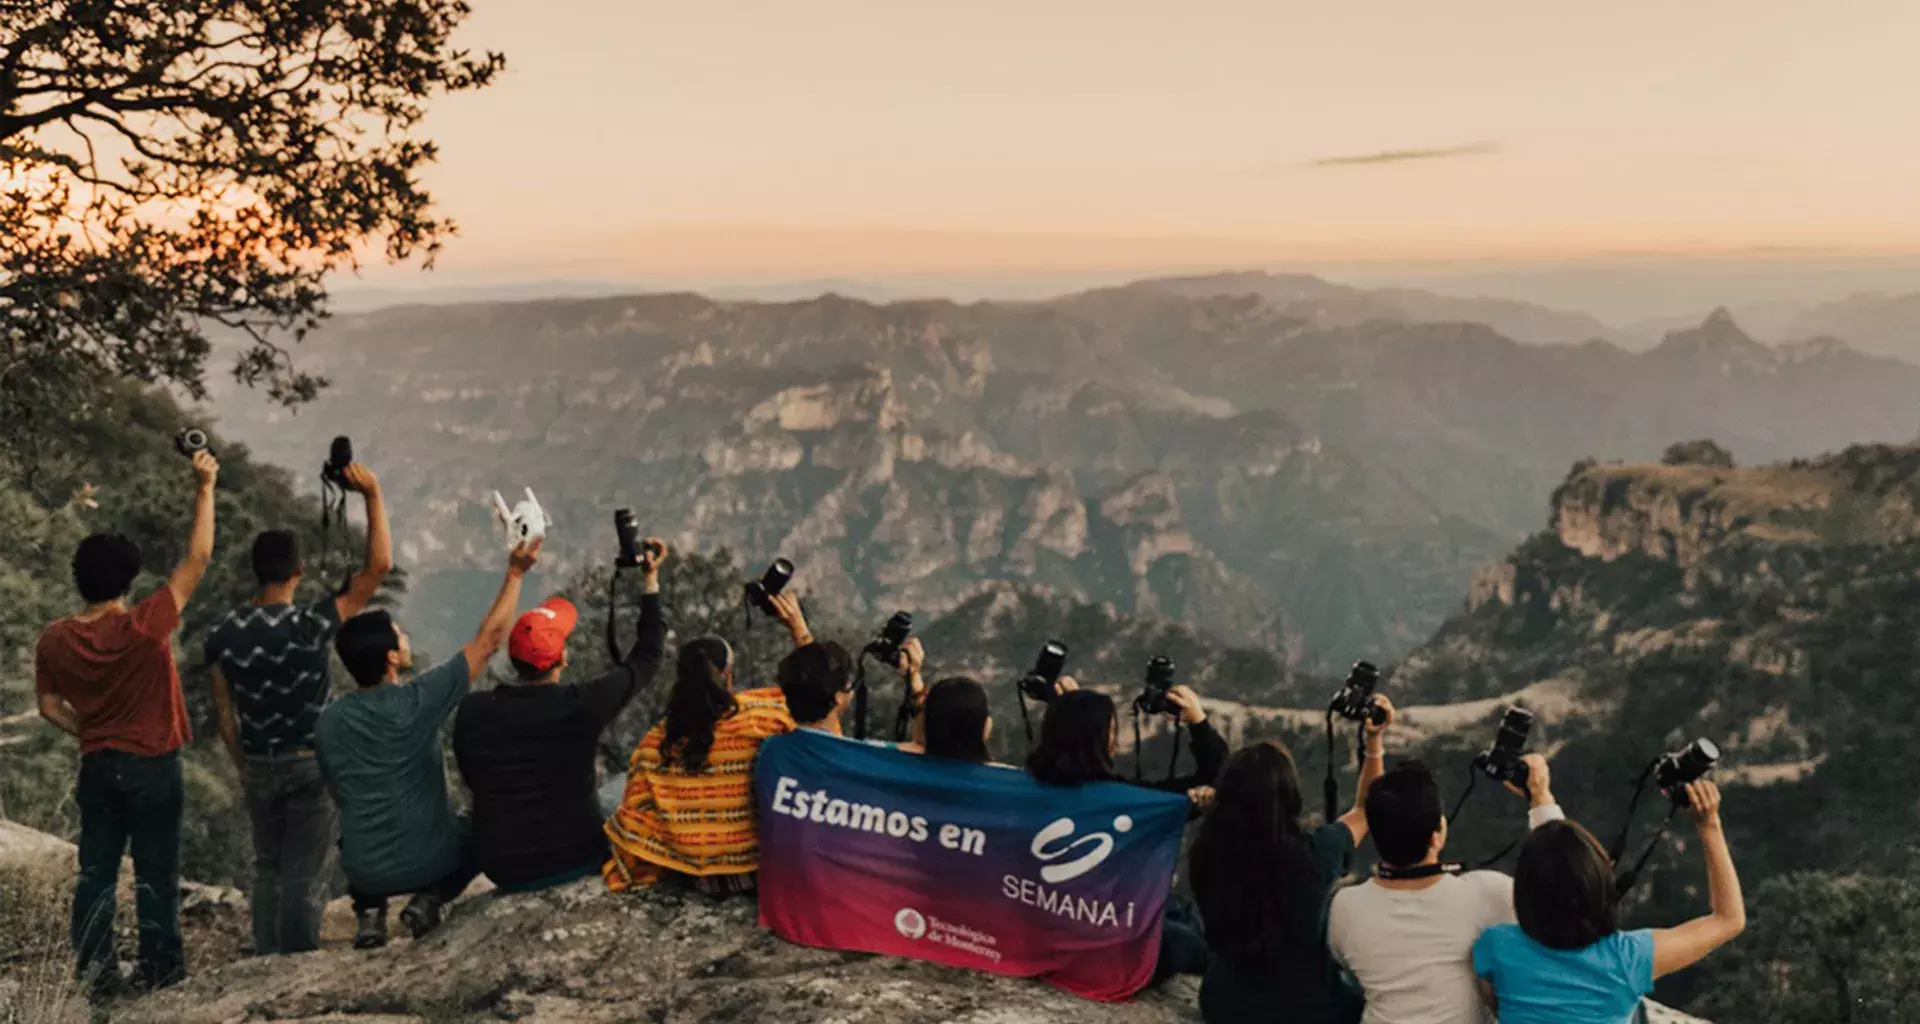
[[1703, 801], [206, 468], [1153, 696], [1185, 705], [1379, 719], [913, 656], [359, 478], [1675, 773], [1355, 700], [1044, 682], [761, 592], [1537, 779], [889, 647]]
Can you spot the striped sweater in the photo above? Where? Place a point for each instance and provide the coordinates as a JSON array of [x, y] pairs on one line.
[[701, 823]]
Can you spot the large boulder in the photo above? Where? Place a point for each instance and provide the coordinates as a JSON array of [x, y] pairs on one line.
[[579, 955]]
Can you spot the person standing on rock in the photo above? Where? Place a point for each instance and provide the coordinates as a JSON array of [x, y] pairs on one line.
[[527, 749], [380, 750], [271, 678], [106, 676]]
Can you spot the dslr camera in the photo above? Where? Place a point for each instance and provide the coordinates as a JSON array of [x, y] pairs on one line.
[[339, 457], [886, 647], [1354, 702], [191, 441], [632, 549], [1501, 762], [1153, 698], [1673, 771], [761, 592], [1039, 684]]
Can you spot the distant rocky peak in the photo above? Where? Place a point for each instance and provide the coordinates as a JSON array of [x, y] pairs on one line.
[[1718, 334]]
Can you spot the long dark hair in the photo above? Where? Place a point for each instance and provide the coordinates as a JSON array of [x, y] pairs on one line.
[[1250, 869], [700, 699], [1076, 740], [956, 720], [1563, 893]]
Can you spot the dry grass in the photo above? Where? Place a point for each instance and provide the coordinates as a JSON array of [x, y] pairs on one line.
[[36, 968]]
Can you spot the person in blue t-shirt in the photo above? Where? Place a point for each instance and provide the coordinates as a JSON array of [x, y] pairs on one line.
[[1567, 961]]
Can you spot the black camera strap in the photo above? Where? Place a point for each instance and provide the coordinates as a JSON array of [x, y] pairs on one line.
[[613, 636], [1418, 871], [1619, 847], [1473, 779], [1625, 883], [860, 726]]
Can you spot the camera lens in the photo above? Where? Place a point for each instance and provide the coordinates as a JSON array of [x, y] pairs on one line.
[[1052, 661], [898, 628], [777, 577], [1160, 672]]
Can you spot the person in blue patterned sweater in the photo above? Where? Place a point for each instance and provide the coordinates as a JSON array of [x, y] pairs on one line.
[[270, 662]]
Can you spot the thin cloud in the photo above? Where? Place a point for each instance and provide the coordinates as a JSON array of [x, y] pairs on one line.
[[1397, 156]]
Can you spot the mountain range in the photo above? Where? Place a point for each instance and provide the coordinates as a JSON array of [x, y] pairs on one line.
[[1273, 459]]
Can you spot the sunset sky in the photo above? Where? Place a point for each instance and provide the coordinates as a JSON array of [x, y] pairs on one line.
[[851, 137]]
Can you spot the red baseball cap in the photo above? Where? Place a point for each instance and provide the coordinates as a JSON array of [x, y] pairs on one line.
[[539, 638]]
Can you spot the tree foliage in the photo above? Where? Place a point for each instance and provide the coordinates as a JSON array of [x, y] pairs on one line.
[[167, 166], [1822, 949]]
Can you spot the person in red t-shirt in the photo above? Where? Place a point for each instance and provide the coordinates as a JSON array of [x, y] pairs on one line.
[[106, 676]]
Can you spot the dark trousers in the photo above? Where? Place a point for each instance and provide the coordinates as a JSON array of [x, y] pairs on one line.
[[294, 833], [127, 800], [1183, 943], [445, 890]]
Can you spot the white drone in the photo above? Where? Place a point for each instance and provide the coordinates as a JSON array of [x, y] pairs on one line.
[[524, 523]]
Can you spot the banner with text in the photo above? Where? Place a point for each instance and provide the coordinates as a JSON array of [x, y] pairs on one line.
[[866, 848]]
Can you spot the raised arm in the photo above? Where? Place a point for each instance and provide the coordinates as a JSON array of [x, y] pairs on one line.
[[609, 694], [494, 628], [786, 609], [1372, 766], [1209, 747], [1676, 949], [379, 559], [186, 576]]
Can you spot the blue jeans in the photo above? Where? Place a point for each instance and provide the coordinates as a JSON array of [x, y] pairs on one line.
[[126, 799], [295, 830]]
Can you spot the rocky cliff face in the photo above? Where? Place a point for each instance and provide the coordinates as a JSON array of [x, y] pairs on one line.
[[1196, 450]]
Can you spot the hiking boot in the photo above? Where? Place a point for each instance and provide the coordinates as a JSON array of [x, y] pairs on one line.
[[373, 929], [422, 914]]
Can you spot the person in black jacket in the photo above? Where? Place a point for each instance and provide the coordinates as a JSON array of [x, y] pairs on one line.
[[1078, 741], [526, 749]]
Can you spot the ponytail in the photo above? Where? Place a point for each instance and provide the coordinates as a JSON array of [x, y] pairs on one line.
[[700, 699]]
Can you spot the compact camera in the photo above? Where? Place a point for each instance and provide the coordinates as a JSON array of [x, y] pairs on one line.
[[761, 592], [1041, 682], [1153, 698], [893, 636], [191, 441], [524, 523], [1673, 771], [1501, 762], [1354, 702]]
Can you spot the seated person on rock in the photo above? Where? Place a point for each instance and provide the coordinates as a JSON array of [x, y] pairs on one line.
[[1567, 961], [1262, 883], [1078, 741], [527, 749], [687, 813], [1407, 935], [380, 750]]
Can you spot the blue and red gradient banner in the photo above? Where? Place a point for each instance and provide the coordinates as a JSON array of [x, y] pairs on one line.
[[866, 848]]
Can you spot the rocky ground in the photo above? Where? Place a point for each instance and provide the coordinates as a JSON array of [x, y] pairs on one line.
[[573, 955]]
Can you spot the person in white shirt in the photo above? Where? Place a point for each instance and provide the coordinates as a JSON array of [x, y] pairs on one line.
[[1408, 933]]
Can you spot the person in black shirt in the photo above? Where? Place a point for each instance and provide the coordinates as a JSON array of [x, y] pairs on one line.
[[1078, 741], [527, 749]]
